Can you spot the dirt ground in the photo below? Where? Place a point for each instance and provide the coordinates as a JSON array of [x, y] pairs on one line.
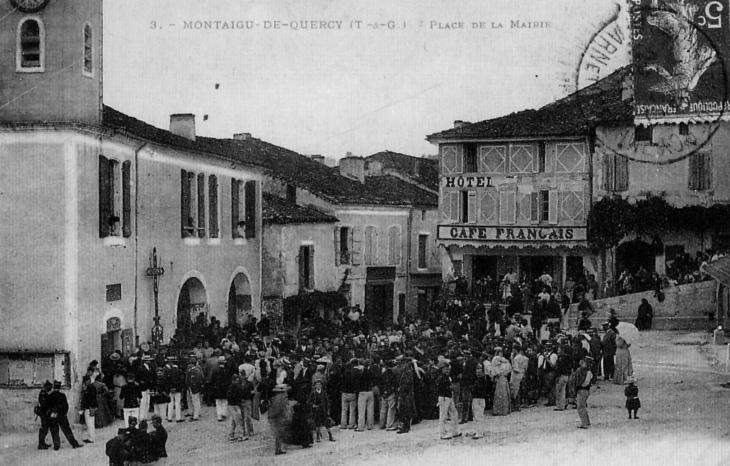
[[683, 421]]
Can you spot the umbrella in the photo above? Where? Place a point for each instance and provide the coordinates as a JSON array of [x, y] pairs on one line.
[[628, 332]]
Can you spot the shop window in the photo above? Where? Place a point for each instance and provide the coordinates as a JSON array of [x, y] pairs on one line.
[[30, 369], [115, 206], [31, 48]]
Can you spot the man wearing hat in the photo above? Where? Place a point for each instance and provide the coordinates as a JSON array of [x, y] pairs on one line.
[[583, 378], [131, 394], [608, 350], [173, 379], [117, 449], [147, 379], [42, 411], [195, 381], [58, 411], [406, 404], [219, 388]]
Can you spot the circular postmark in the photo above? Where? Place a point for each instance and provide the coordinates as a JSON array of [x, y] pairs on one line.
[[676, 75]]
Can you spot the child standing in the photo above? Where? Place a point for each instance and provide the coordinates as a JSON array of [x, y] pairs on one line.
[[632, 397]]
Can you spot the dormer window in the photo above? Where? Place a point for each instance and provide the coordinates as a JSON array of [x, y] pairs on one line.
[[88, 51], [31, 46]]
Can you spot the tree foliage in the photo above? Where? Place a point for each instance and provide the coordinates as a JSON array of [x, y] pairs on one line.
[[610, 220]]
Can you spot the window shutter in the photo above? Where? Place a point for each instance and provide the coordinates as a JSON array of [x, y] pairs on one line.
[[311, 267], [455, 207], [356, 245], [534, 207], [397, 246], [622, 172], [235, 209], [337, 245], [472, 207], [301, 263], [460, 159], [250, 209], [184, 201], [707, 166], [553, 207], [507, 207], [607, 172], [105, 194], [126, 199], [213, 205], [448, 159], [201, 205]]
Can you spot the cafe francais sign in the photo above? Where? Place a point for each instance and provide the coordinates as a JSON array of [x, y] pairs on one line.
[[532, 234]]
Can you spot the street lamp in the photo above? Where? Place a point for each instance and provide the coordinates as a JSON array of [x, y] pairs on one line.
[[155, 272]]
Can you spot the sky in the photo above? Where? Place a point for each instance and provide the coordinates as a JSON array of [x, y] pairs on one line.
[[374, 75]]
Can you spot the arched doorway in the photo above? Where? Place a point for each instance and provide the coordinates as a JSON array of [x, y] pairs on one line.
[[239, 299], [192, 305], [633, 255]]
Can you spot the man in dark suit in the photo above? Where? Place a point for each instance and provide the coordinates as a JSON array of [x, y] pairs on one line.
[[58, 411], [42, 412], [147, 379]]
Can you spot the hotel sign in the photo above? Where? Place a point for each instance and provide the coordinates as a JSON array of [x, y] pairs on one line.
[[536, 234], [468, 182]]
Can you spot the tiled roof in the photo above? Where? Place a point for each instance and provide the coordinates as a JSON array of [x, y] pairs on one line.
[[428, 172], [598, 104], [390, 187], [283, 164], [279, 211]]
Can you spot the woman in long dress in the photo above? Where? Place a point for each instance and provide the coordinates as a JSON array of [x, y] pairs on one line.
[[501, 368], [104, 398], [624, 367]]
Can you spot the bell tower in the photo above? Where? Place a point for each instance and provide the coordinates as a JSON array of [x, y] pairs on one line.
[[51, 61]]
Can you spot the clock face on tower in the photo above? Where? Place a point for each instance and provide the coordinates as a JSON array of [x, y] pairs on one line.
[[29, 6]]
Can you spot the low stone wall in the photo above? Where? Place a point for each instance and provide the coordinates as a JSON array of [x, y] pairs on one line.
[[685, 307]]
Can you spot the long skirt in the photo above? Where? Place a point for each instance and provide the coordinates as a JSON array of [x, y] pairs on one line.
[[502, 403], [623, 366]]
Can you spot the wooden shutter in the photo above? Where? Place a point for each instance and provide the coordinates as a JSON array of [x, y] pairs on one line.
[[235, 209], [622, 173], [472, 206], [553, 207], [337, 245], [607, 172], [449, 156], [302, 262], [534, 207], [507, 207], [310, 269], [356, 249], [126, 199], [184, 201], [201, 205], [250, 193], [707, 170], [213, 205], [105, 194]]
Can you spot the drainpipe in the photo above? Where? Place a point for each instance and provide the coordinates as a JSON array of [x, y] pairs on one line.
[[136, 237]]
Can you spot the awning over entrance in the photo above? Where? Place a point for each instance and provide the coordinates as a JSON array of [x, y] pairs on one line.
[[720, 270]]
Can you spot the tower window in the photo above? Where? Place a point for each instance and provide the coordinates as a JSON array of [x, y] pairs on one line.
[[88, 51], [31, 46]]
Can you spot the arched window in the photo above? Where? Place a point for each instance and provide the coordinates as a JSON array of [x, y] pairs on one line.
[[31, 48], [88, 51]]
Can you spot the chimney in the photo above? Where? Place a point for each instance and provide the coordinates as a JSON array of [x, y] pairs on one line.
[[627, 88], [242, 136], [460, 123], [183, 124], [318, 158], [353, 167]]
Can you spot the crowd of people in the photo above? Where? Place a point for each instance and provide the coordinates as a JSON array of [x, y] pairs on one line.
[[463, 360]]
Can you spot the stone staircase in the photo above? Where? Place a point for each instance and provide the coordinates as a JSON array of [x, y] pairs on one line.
[[685, 307]]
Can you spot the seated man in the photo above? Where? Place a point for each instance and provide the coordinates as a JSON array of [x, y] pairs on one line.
[[117, 449]]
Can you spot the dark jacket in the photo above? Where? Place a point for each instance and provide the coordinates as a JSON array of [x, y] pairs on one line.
[[118, 452], [220, 383], [443, 386], [348, 380], [173, 379], [58, 404], [146, 377], [158, 440], [389, 383], [131, 394]]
